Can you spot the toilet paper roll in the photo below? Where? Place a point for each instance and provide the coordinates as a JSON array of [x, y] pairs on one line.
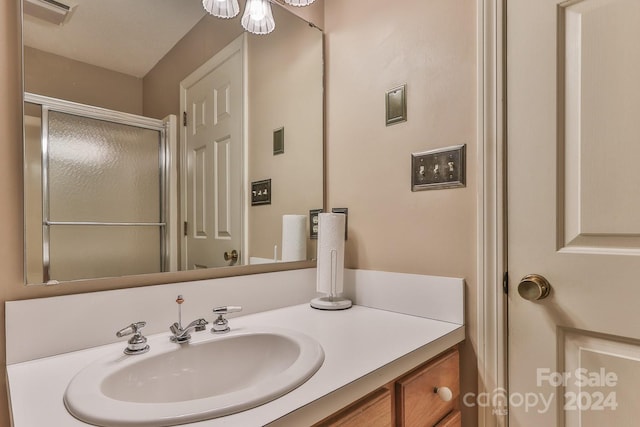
[[294, 237], [330, 265]]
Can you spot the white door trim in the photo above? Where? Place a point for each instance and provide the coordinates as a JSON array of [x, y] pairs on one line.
[[491, 303], [173, 229], [237, 45]]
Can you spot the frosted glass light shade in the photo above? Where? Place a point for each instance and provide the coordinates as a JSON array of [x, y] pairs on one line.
[[221, 8], [299, 2], [257, 17]]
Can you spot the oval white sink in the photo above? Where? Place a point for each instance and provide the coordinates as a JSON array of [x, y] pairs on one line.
[[177, 384]]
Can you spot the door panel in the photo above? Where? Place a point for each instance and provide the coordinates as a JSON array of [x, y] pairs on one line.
[[610, 395], [223, 154], [574, 215], [599, 66], [200, 192], [214, 165]]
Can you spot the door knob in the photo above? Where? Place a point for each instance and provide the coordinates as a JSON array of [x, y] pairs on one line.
[[232, 256], [534, 287]]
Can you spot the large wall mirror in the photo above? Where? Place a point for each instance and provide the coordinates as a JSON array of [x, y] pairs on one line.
[[159, 138]]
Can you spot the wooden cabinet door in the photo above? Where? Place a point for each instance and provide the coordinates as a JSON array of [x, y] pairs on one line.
[[454, 419], [417, 403], [373, 410]]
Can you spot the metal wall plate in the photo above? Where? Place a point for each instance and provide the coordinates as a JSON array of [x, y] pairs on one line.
[[344, 211], [396, 105], [278, 141], [261, 192], [313, 223], [439, 169]]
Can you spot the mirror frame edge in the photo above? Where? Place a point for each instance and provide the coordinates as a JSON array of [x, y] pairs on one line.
[[153, 279], [132, 281]]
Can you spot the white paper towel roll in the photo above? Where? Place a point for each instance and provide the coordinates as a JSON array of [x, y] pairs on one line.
[[294, 237], [330, 266]]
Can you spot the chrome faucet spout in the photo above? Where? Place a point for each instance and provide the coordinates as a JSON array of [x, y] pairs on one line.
[[183, 335]]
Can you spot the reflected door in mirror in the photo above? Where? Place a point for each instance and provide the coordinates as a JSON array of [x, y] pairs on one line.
[[213, 139]]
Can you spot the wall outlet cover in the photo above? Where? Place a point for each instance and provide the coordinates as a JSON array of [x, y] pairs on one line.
[[313, 223]]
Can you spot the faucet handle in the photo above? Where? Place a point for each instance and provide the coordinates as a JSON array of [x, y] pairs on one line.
[[133, 328], [137, 344], [227, 309], [221, 325]]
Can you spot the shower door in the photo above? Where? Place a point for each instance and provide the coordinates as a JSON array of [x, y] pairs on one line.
[[103, 193]]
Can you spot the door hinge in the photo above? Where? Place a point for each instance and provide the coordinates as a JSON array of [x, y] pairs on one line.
[[505, 283], [184, 118], [185, 228]]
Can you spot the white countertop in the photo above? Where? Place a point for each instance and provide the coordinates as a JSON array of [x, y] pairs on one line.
[[364, 348]]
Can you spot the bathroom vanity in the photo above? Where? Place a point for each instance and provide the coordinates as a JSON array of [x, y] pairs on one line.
[[380, 363], [428, 395]]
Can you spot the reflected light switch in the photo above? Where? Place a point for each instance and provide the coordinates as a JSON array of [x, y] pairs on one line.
[[261, 192]]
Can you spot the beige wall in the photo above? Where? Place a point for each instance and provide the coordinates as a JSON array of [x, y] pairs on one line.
[[161, 85], [373, 46], [59, 77], [313, 13], [293, 100], [430, 45], [10, 171]]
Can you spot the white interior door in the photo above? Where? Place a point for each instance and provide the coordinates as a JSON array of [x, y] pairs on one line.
[[214, 147], [573, 89]]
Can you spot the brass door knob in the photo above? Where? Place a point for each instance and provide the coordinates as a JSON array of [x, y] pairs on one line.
[[232, 256], [534, 287]]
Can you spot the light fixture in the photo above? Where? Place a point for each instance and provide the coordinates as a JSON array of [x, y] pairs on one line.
[[299, 2], [257, 17], [221, 8]]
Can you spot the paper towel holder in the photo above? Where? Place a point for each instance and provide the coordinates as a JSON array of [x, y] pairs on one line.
[[332, 301]]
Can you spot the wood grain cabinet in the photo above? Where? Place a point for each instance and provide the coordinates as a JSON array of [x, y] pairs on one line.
[[417, 400], [454, 419], [374, 410], [409, 401]]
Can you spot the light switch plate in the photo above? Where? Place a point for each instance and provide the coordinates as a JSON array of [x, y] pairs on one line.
[[261, 192], [439, 169]]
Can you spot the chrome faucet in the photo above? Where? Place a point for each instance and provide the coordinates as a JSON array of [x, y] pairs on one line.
[[182, 335]]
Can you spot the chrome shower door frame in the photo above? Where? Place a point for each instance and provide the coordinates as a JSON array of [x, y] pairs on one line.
[[52, 104]]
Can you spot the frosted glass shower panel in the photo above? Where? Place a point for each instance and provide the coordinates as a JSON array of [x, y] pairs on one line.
[[101, 171], [104, 212], [81, 252]]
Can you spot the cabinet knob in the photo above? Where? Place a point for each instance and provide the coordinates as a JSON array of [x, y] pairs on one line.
[[444, 393]]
